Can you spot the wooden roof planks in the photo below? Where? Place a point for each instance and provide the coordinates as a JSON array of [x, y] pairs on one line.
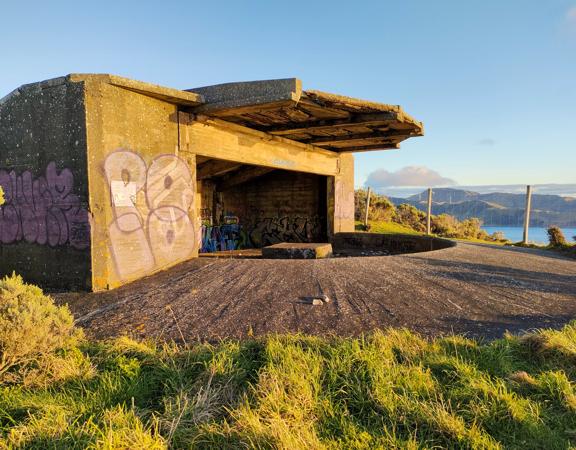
[[329, 121]]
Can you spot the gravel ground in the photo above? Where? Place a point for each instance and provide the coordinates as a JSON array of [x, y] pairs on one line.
[[479, 290]]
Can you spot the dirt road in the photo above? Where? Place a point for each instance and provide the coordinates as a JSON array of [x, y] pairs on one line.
[[480, 290]]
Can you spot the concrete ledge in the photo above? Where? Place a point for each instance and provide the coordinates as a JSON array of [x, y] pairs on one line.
[[287, 250], [392, 243]]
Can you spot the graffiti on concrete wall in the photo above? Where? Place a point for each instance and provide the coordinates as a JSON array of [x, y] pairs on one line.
[[344, 208], [43, 210], [152, 226], [259, 232], [222, 238], [228, 236], [273, 230]]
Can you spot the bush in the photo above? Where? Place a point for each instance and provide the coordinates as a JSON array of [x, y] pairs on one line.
[[498, 236], [32, 328], [556, 237], [381, 208], [444, 225], [410, 216], [470, 228]]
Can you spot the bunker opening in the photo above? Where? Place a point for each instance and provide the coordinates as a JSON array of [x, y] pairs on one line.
[[246, 207]]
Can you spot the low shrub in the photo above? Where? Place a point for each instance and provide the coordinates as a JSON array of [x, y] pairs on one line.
[[381, 208], [444, 225], [32, 330], [498, 236], [471, 228], [556, 237], [410, 216]]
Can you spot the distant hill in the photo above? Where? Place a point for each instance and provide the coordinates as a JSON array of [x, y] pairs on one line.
[[498, 209]]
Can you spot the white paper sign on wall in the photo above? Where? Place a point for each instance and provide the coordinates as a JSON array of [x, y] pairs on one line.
[[123, 194]]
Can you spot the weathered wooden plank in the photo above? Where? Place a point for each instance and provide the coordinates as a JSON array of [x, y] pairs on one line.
[[368, 148], [348, 103], [326, 125], [352, 138], [322, 112]]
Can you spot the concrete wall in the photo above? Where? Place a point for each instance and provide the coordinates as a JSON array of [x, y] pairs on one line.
[[44, 224], [356, 243], [142, 190]]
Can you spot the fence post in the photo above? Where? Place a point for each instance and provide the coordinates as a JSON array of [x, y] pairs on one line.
[[527, 213], [367, 207], [428, 218]]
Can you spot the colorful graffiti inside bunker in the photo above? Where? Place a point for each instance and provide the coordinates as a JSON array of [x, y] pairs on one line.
[[151, 206], [260, 232], [273, 230], [43, 210], [229, 236]]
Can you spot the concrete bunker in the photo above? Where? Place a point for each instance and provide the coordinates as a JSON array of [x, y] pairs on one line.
[[108, 179]]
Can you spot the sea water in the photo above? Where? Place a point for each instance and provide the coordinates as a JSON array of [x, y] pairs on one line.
[[536, 235]]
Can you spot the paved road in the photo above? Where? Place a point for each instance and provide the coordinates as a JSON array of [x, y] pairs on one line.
[[479, 290]]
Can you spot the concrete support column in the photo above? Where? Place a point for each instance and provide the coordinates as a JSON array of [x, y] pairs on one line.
[[341, 197]]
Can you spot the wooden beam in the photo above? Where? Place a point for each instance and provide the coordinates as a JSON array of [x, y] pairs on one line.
[[214, 168], [242, 176], [369, 147], [327, 125], [328, 140], [219, 139], [238, 128]]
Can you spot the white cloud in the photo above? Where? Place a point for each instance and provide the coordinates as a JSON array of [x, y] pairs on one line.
[[407, 176]]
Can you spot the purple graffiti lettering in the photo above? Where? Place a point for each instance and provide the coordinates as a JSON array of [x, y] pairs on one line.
[[43, 210]]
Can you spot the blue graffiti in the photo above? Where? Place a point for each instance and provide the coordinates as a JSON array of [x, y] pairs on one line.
[[222, 238]]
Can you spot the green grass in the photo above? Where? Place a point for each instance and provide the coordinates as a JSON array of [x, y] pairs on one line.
[[396, 228], [387, 227], [390, 389]]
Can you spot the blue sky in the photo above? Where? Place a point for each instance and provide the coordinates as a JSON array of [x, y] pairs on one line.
[[493, 81]]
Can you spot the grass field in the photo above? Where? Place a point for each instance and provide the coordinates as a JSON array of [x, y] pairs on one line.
[[387, 390]]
